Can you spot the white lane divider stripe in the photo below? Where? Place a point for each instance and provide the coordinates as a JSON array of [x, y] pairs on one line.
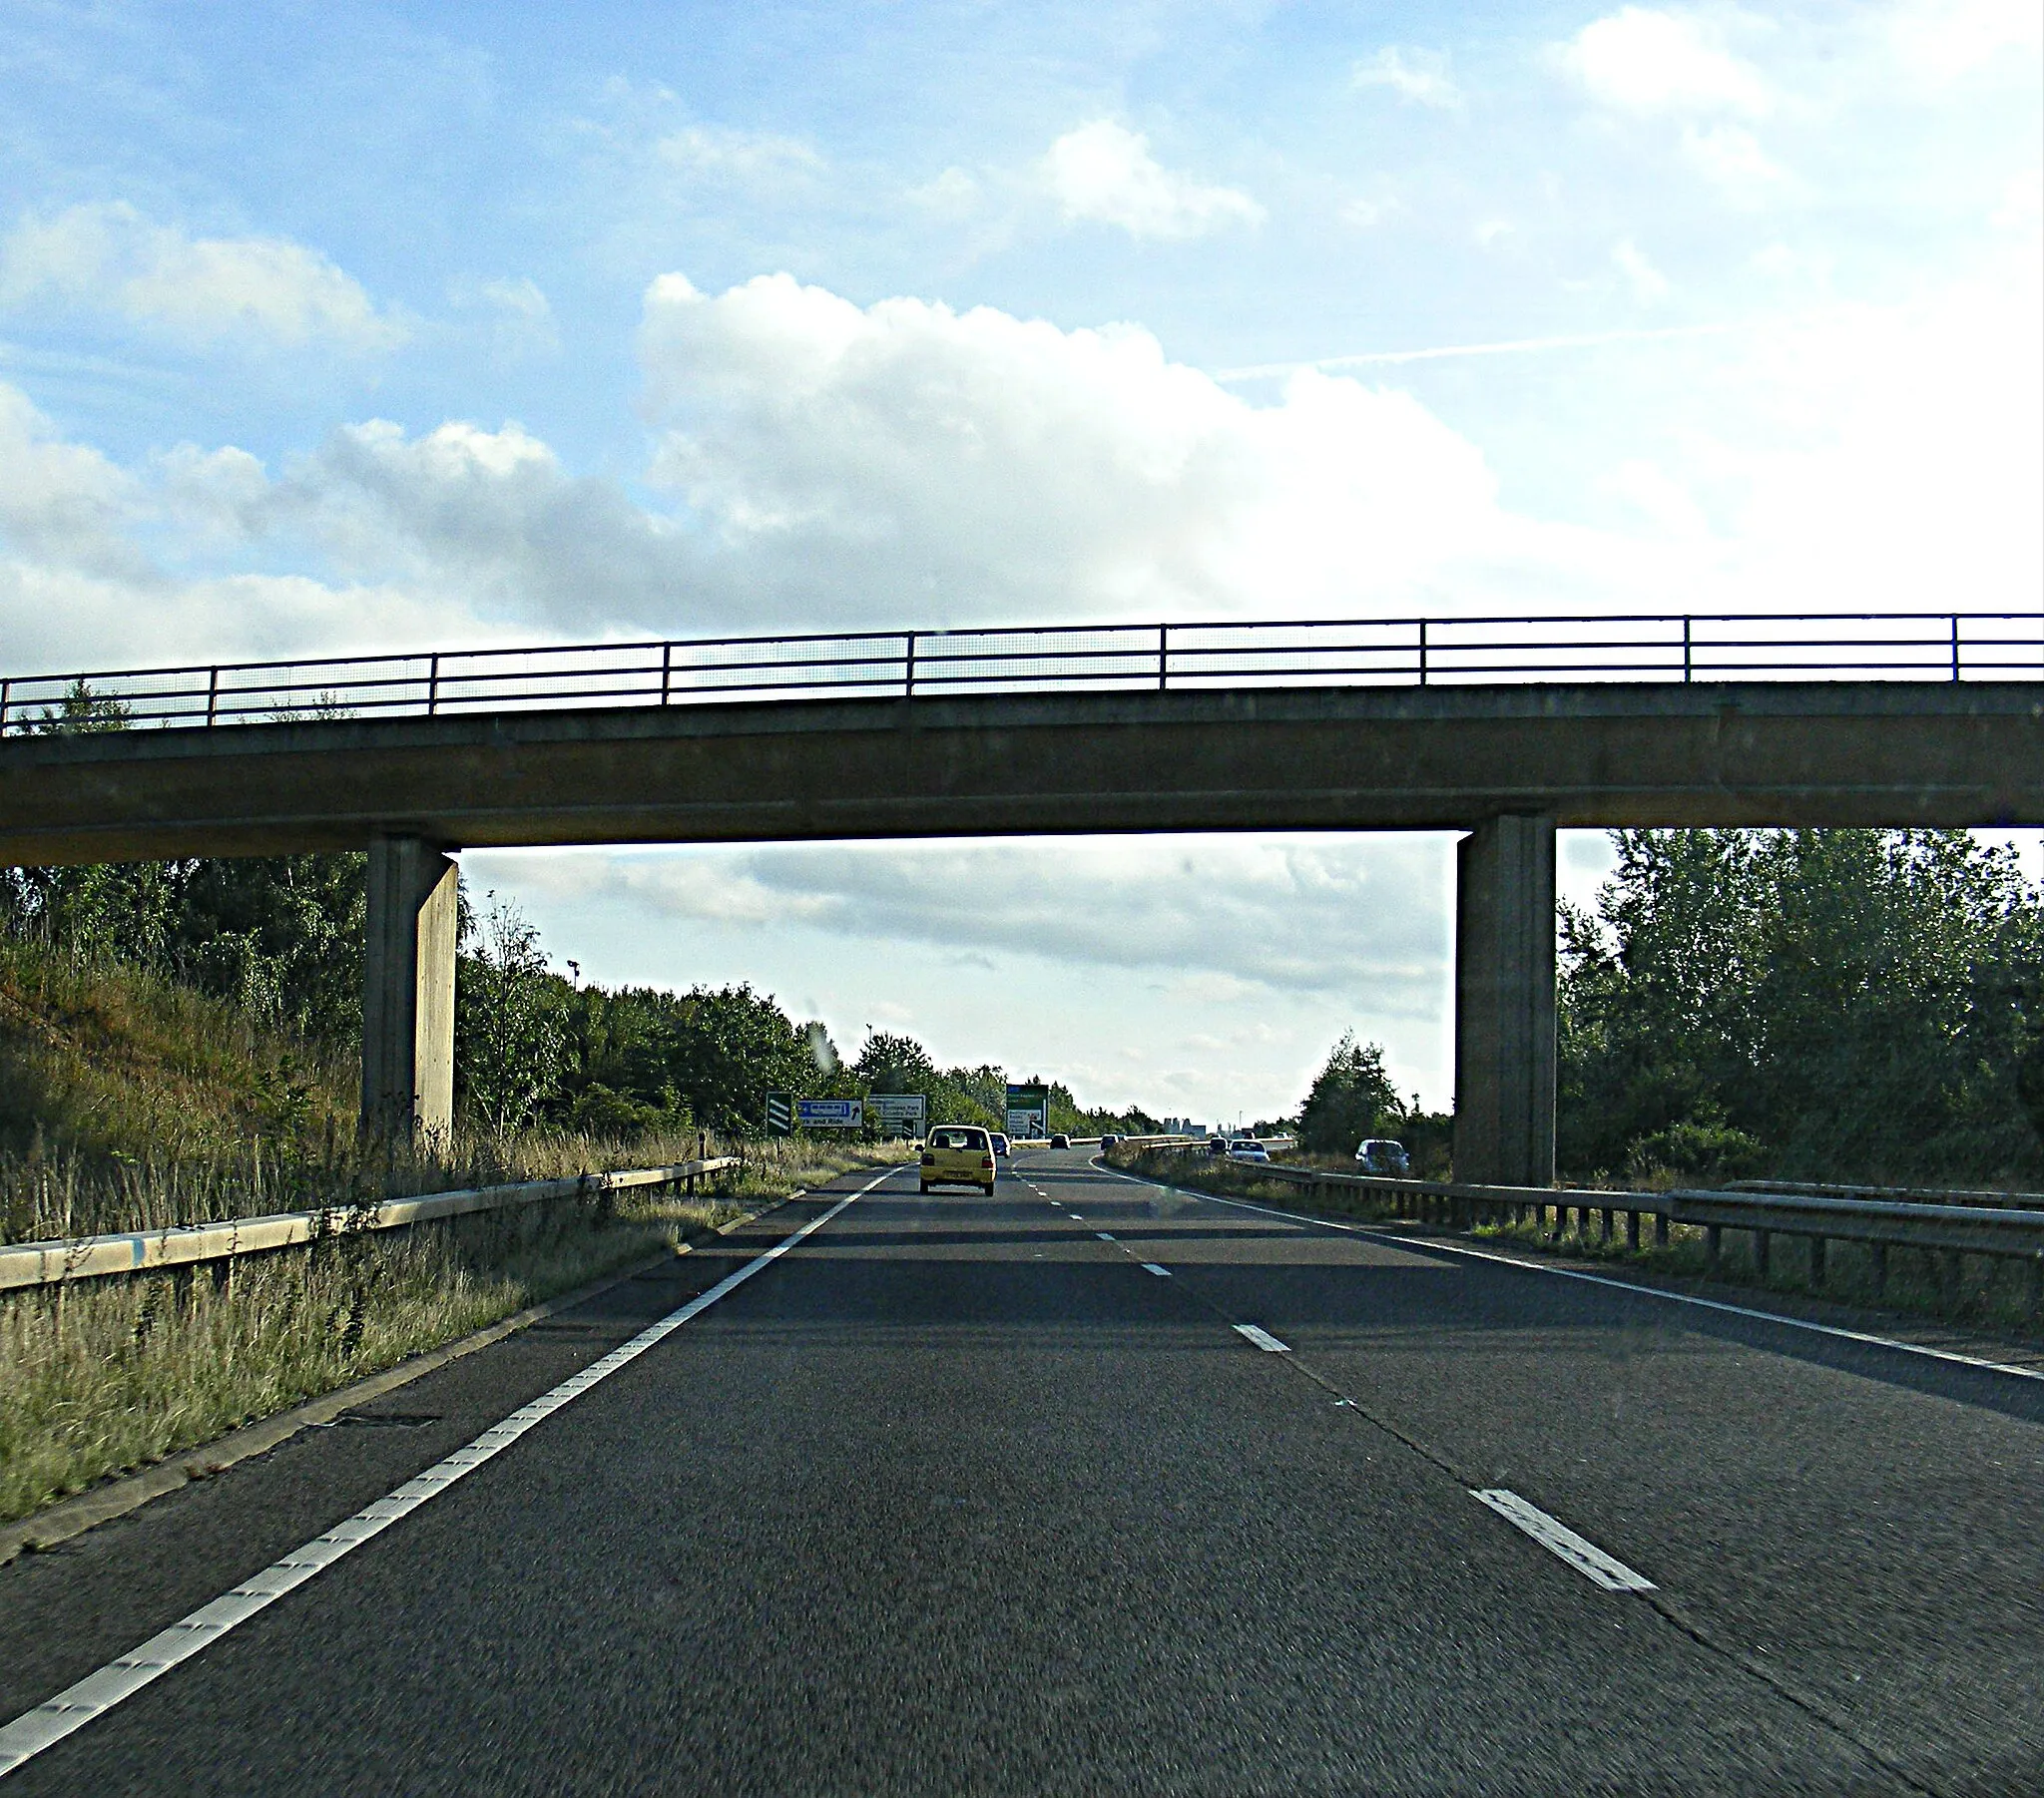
[[1103, 1235], [1559, 1539], [1262, 1339], [34, 1730], [1163, 1273]]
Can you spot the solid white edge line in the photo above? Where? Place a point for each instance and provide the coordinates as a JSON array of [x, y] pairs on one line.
[[1563, 1542], [1262, 1339], [1428, 1245], [73, 1708]]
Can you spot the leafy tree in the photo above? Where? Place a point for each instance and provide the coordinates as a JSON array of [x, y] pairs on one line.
[[511, 1045], [1824, 1003], [281, 934], [1352, 1098], [894, 1064]]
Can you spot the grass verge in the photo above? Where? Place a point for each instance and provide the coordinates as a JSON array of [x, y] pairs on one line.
[[107, 1376]]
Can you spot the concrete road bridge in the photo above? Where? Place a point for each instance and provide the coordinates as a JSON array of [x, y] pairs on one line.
[[1507, 730]]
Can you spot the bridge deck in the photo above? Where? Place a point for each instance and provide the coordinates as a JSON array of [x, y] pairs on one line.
[[1335, 759]]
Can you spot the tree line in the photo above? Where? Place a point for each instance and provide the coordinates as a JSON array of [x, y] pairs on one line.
[[1821, 1004], [282, 938]]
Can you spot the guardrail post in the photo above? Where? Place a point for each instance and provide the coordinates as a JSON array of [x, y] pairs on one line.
[[1422, 651], [433, 685], [667, 672], [1163, 657], [1685, 648], [1632, 1232], [908, 664], [1763, 1254], [6, 686], [1659, 1229], [211, 695], [1604, 1224], [1714, 1247], [1955, 646]]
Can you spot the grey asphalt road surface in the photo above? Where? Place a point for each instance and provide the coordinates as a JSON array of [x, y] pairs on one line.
[[1092, 1486]]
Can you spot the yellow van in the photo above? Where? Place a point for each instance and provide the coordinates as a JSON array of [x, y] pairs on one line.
[[958, 1154]]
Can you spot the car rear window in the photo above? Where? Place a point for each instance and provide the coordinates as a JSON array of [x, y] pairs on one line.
[[958, 1139]]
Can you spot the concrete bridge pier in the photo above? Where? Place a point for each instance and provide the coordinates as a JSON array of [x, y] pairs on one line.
[[409, 991], [1504, 1003]]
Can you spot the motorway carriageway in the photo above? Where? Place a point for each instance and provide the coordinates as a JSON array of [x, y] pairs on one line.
[[1088, 1487]]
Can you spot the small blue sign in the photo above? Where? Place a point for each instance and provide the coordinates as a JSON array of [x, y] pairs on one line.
[[831, 1114]]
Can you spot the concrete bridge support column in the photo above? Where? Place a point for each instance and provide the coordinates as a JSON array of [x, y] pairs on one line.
[[1504, 1003], [409, 992]]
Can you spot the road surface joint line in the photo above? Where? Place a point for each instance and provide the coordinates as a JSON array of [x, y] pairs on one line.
[[98, 1692], [1426, 1245], [1601, 1569], [1262, 1339]]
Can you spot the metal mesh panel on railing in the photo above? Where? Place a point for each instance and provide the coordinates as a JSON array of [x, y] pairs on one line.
[[1920, 646]]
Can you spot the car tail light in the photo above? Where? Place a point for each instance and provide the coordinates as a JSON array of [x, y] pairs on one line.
[[987, 1162], [929, 1160]]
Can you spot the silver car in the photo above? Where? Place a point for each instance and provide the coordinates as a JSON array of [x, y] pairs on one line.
[[1382, 1155]]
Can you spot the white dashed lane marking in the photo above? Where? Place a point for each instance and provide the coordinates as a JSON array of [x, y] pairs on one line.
[[1262, 1339], [1163, 1273], [1559, 1539], [1103, 1235]]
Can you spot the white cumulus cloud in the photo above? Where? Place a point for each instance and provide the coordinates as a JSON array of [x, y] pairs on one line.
[[1648, 284], [820, 464], [1104, 173], [1643, 60], [908, 457], [1420, 76], [754, 157], [199, 292], [516, 314]]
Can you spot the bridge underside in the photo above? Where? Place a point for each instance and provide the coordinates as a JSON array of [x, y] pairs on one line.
[[1509, 764]]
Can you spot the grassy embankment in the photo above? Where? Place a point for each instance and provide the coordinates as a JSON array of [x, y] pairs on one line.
[[1988, 1292], [128, 1103]]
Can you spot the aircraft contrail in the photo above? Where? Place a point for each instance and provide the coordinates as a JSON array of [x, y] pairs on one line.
[[1583, 340]]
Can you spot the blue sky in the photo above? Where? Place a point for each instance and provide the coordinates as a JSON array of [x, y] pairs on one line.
[[334, 329]]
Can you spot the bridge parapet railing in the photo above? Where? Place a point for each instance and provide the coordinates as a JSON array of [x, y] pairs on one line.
[[1196, 656], [2002, 1230]]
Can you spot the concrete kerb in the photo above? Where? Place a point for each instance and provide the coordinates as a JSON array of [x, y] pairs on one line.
[[72, 1517]]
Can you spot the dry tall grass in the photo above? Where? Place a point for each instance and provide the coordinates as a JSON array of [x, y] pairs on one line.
[[130, 1103], [111, 1374]]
